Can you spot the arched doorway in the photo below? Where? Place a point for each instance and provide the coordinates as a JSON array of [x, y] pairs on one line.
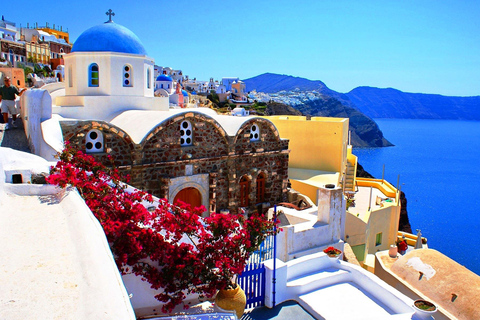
[[189, 195], [244, 191]]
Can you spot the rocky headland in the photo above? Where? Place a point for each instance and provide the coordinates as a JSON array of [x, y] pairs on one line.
[[314, 98]]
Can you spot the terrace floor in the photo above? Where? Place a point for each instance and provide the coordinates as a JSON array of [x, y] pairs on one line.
[[363, 202], [287, 310]]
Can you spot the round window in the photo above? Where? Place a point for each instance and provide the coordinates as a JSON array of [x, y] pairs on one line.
[[94, 141], [186, 134], [254, 133]]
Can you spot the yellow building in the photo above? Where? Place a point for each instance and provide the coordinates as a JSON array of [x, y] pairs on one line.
[[372, 219], [321, 155], [319, 149], [59, 34], [38, 52]]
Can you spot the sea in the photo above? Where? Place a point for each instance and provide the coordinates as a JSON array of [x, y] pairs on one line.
[[438, 162]]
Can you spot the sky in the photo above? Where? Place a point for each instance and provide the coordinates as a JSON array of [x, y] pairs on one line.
[[414, 46]]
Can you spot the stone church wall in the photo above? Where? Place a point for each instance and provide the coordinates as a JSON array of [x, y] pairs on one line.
[[225, 159]]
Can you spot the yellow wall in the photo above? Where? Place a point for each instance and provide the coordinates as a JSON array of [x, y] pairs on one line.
[[384, 220], [383, 185], [305, 189], [355, 231], [316, 144]]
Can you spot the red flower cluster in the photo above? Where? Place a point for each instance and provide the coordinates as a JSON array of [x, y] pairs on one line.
[[172, 247], [331, 251]]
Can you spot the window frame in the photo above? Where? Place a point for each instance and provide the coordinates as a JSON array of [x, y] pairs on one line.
[[253, 132], [99, 139], [91, 78], [378, 239], [127, 75], [261, 178], [184, 133]]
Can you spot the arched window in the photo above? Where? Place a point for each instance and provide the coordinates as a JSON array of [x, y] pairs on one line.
[[148, 78], [93, 75], [186, 134], [254, 132], [244, 191], [261, 188], [127, 76], [94, 141]]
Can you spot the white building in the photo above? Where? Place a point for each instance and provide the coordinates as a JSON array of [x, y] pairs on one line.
[[227, 82], [107, 72], [164, 82], [8, 30]]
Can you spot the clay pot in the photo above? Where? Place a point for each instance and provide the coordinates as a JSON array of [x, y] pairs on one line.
[[424, 309], [232, 299]]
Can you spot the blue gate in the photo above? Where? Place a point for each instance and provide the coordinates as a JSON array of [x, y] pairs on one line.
[[252, 280]]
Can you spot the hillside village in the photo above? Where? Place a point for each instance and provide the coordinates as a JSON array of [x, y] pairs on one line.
[[105, 96]]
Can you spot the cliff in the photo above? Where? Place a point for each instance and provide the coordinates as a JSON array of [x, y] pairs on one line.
[[276, 108], [314, 98], [392, 103], [364, 131]]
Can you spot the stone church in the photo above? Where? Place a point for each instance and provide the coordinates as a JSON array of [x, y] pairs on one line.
[[108, 107]]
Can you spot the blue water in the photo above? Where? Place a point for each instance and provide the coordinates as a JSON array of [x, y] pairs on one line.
[[439, 166]]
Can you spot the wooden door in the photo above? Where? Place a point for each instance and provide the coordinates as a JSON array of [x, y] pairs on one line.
[[189, 195]]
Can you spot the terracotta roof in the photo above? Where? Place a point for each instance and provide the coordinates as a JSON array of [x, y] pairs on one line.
[[449, 279]]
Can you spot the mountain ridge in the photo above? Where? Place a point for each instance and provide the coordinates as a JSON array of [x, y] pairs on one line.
[[314, 98], [378, 102], [394, 103]]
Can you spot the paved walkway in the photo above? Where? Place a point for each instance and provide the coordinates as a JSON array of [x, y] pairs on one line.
[[14, 138]]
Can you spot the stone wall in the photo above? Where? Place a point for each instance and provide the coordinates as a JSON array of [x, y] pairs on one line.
[[117, 142], [159, 158]]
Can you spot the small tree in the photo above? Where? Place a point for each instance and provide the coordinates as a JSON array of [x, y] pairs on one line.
[[172, 247], [47, 71]]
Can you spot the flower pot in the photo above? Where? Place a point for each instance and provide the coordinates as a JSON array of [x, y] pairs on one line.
[[333, 256], [424, 309], [232, 299]]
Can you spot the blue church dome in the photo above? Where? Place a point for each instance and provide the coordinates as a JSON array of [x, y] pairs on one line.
[[109, 37], [185, 93], [164, 77]]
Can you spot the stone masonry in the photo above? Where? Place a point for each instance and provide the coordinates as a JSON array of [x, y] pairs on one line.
[[226, 159]]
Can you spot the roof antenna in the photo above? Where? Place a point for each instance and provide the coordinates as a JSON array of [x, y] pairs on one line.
[[109, 13]]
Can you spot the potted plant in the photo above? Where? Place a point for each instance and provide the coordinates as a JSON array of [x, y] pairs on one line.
[[332, 252], [424, 308], [170, 246]]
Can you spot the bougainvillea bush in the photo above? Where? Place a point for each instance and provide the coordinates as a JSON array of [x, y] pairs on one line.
[[171, 247]]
